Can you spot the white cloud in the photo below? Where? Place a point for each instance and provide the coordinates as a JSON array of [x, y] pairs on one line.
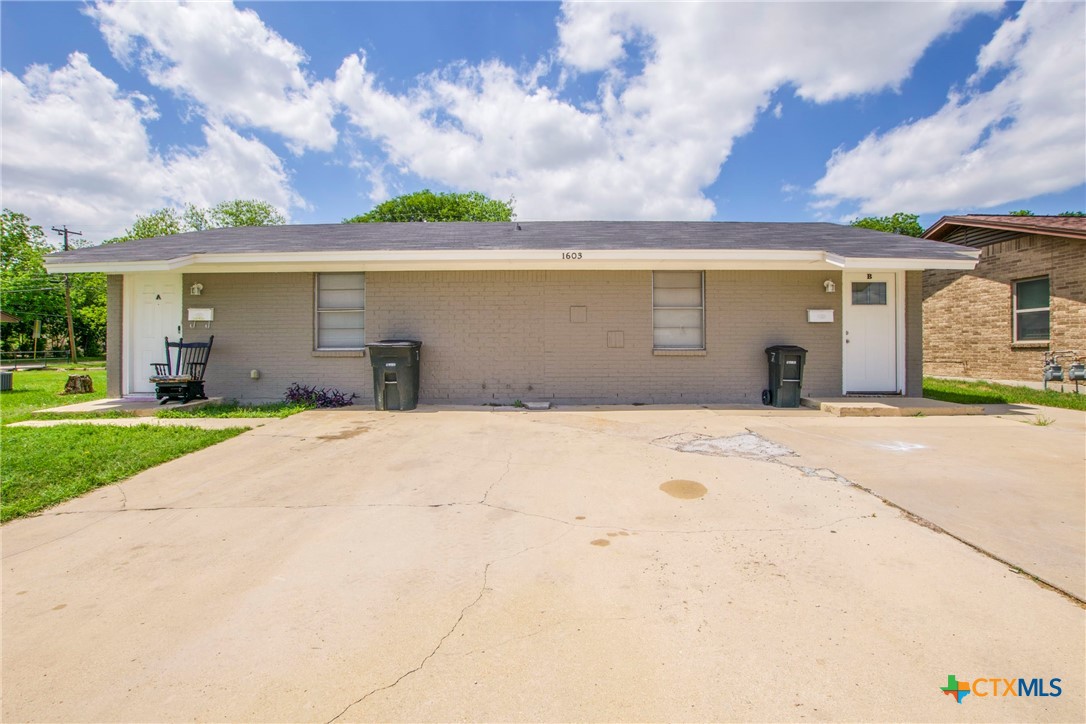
[[229, 166], [1024, 137], [227, 61], [76, 151], [680, 83]]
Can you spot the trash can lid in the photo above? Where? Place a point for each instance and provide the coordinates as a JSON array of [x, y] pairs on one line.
[[784, 348], [395, 343]]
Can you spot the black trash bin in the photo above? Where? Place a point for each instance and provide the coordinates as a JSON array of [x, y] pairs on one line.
[[395, 365], [785, 375]]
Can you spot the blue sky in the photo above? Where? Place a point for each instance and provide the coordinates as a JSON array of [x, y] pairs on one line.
[[728, 111]]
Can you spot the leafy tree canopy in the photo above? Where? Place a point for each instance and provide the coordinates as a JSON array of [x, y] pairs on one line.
[[22, 245], [240, 212], [898, 223], [425, 205], [1027, 212], [26, 290], [167, 221]]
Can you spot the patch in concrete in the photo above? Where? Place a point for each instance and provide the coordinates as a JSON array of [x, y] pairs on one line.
[[745, 445], [749, 445]]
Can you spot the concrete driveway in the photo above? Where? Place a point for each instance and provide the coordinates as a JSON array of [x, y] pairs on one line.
[[448, 565]]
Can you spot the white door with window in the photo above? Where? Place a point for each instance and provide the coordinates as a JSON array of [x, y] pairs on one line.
[[152, 313], [871, 332]]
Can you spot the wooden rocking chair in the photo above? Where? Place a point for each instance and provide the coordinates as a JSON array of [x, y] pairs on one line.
[[181, 376]]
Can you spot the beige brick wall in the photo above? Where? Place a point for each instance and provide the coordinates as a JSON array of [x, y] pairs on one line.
[[499, 336], [968, 323], [264, 322], [502, 336], [114, 334]]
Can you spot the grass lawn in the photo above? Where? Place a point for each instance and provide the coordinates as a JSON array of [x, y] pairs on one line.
[[988, 393], [46, 465], [35, 389], [42, 466], [233, 409]]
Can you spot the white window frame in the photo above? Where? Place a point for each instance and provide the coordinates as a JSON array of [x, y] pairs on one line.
[[317, 312], [700, 308], [1016, 311]]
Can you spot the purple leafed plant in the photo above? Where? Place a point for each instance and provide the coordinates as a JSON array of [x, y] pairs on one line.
[[323, 397]]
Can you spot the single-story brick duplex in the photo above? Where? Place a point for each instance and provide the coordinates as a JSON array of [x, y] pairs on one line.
[[1026, 296], [619, 312]]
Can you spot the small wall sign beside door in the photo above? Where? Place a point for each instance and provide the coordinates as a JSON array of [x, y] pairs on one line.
[[819, 316]]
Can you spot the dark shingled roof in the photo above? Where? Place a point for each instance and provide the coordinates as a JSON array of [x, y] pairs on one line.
[[847, 241]]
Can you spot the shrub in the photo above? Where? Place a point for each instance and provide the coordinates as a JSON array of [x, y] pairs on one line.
[[323, 397]]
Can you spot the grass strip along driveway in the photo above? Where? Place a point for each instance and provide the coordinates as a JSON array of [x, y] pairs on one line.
[[47, 465], [44, 466], [990, 393]]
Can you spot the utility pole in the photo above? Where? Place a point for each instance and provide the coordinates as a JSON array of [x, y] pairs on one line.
[[68, 293]]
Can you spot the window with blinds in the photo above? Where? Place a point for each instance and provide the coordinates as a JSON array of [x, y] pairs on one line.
[[678, 310], [341, 311], [1031, 310]]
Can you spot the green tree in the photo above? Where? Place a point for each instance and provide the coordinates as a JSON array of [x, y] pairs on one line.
[[89, 312], [26, 290], [425, 205], [240, 212], [161, 222], [898, 223], [167, 221], [1021, 212], [1072, 213]]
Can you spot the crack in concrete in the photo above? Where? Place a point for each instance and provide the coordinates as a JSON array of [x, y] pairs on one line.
[[107, 514], [468, 504], [463, 612], [508, 467], [772, 452]]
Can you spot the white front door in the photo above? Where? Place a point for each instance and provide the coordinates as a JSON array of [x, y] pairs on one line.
[[152, 313], [871, 332]]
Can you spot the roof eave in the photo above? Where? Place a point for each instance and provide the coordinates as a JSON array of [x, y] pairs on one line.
[[948, 224], [547, 259]]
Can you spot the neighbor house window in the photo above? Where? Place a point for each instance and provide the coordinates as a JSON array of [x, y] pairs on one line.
[[678, 310], [341, 311], [1031, 310]]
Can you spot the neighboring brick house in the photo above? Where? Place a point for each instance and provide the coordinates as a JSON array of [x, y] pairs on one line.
[[1026, 296], [616, 312]]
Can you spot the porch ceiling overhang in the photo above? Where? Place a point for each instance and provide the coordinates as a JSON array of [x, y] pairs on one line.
[[516, 260]]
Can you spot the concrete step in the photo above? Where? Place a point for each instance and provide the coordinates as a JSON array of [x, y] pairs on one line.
[[889, 407]]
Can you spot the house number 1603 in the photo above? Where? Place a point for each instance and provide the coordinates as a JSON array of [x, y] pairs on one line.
[[571, 255]]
